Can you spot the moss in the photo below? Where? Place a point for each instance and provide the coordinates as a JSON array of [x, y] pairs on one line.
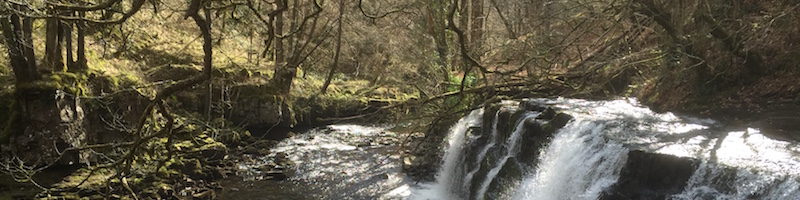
[[97, 179]]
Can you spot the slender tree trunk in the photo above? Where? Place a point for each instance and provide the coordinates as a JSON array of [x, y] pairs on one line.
[[292, 26], [279, 51], [506, 23], [437, 25], [338, 49], [20, 52], [27, 44], [463, 19], [81, 51], [68, 46], [476, 29], [284, 71], [52, 53]]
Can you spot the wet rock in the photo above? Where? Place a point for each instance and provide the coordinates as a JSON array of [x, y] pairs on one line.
[[533, 139], [251, 150], [532, 106], [491, 160], [560, 120], [502, 120], [651, 176], [204, 194], [508, 177], [276, 175], [548, 113]]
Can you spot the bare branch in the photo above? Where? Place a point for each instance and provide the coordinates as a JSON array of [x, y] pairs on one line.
[[376, 16]]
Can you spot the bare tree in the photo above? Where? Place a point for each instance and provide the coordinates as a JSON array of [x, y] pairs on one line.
[[338, 49]]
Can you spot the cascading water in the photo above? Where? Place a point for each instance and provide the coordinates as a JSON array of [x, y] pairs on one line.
[[578, 164], [610, 150], [449, 180], [548, 149]]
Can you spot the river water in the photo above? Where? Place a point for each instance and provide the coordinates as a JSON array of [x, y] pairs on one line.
[[343, 161], [582, 160]]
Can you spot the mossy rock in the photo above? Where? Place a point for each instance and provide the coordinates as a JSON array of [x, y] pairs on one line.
[[98, 179], [205, 146]]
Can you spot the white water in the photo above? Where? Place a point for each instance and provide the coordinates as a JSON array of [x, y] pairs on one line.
[[578, 164], [449, 180], [586, 156], [333, 162], [513, 148], [482, 154]]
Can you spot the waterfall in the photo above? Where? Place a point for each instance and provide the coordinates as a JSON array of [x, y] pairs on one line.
[[578, 164], [513, 148], [608, 150], [449, 176]]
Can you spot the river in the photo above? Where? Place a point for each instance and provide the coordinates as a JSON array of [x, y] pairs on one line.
[[607, 150]]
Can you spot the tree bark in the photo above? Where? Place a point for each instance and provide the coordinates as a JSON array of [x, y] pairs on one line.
[[52, 54], [27, 44], [338, 49], [279, 51], [476, 29], [81, 63], [20, 53], [68, 46], [437, 27], [285, 70]]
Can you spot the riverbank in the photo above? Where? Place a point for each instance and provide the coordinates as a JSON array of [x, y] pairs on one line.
[[184, 154]]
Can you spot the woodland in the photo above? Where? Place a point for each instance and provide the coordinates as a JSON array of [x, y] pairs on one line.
[[154, 99]]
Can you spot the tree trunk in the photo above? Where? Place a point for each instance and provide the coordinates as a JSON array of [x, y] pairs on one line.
[[463, 19], [52, 53], [27, 45], [20, 55], [81, 52], [284, 72], [437, 27], [68, 46], [476, 29], [506, 23], [279, 51], [338, 49]]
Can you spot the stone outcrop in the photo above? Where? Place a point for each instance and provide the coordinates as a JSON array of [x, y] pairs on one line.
[[45, 127]]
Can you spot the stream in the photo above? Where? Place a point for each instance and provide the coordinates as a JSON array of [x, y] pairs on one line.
[[615, 149]]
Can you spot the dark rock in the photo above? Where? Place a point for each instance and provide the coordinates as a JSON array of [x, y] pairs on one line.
[[533, 139], [651, 176], [503, 119], [277, 175], [548, 113], [489, 161], [508, 176], [560, 120], [532, 106]]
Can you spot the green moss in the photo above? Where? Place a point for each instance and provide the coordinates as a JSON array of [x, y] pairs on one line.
[[97, 179]]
